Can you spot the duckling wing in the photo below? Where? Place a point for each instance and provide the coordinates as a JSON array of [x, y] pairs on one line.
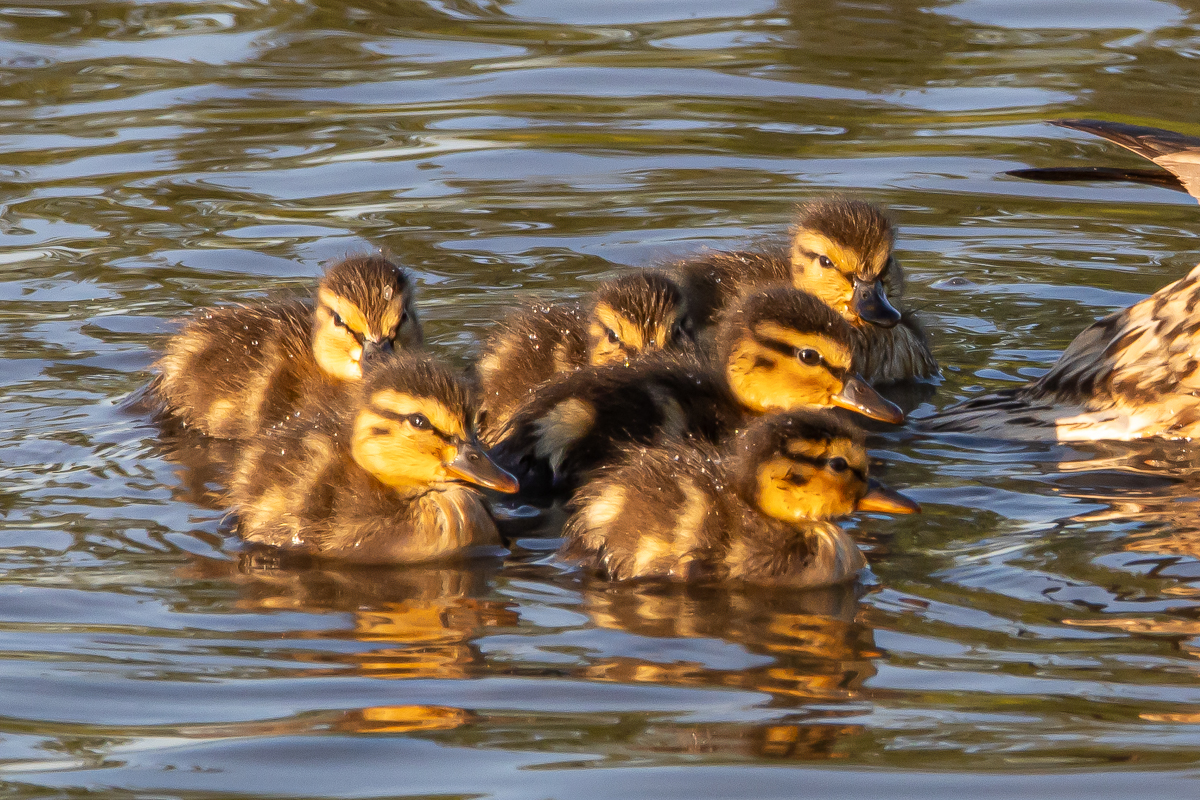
[[528, 348], [1172, 151], [233, 370], [655, 513], [580, 421]]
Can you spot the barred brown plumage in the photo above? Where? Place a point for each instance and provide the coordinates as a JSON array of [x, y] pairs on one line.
[[1131, 375]]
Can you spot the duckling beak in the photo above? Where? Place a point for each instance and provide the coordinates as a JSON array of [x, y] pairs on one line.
[[884, 500], [473, 466], [857, 395], [871, 305], [373, 349]]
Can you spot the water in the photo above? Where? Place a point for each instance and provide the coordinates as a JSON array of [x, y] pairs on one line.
[[1035, 632]]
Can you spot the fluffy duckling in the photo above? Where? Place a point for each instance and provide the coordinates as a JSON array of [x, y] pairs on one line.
[[756, 510], [642, 312], [1133, 374], [233, 371], [841, 252], [1174, 152], [374, 475], [779, 349]]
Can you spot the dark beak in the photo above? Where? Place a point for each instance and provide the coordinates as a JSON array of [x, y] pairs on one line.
[[473, 466], [857, 395], [884, 500], [871, 305], [373, 349]]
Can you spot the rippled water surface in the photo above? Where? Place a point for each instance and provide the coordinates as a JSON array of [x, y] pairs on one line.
[[1035, 632]]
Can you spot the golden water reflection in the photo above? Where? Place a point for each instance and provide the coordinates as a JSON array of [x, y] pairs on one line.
[[816, 649]]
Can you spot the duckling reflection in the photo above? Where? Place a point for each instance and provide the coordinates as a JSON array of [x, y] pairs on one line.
[[841, 252], [234, 371], [1176, 153], [1132, 375], [795, 646], [638, 313], [420, 621], [779, 349]]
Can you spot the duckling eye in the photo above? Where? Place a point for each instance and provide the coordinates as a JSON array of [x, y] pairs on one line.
[[337, 320], [838, 464], [420, 422], [612, 336], [826, 262], [809, 357]]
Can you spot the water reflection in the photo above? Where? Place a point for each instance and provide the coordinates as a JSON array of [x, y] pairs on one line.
[[809, 644], [420, 622]]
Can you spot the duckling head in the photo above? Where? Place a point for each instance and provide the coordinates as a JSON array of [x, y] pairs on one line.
[[641, 312], [783, 349], [809, 466], [412, 429], [364, 308], [842, 254]]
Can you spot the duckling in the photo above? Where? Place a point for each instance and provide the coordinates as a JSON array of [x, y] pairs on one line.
[[1174, 152], [637, 313], [755, 510], [1132, 375], [841, 252], [374, 475], [779, 349], [232, 371]]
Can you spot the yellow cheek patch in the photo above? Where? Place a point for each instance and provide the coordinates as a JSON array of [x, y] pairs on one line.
[[627, 331], [779, 496], [395, 453], [389, 320], [336, 351], [438, 414], [794, 492], [603, 351], [765, 381], [835, 353], [350, 313], [845, 260], [832, 286]]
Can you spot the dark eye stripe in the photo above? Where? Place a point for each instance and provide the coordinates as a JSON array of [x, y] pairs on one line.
[[341, 323], [822, 463], [392, 415], [785, 349]]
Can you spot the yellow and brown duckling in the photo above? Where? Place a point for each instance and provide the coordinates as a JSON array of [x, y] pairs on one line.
[[1132, 375], [778, 349], [756, 510], [1177, 153], [638, 313], [232, 371], [380, 474], [841, 252]]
